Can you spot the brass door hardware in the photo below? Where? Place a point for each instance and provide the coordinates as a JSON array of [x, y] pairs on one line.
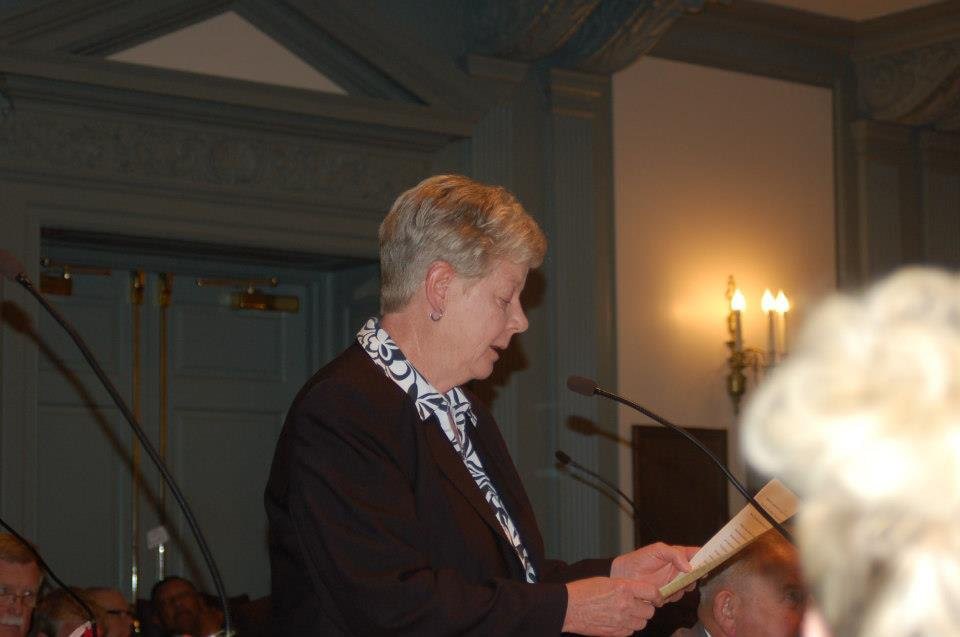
[[249, 297], [57, 278]]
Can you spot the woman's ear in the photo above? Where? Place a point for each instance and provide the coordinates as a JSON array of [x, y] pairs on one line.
[[440, 275]]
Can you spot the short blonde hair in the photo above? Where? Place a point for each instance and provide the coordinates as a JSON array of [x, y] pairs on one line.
[[455, 219], [863, 420]]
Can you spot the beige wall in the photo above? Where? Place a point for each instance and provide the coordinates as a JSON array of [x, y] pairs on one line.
[[716, 173]]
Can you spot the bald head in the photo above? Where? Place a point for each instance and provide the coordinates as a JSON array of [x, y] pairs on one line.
[[757, 592]]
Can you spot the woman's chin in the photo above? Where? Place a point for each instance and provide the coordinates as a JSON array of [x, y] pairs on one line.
[[483, 371]]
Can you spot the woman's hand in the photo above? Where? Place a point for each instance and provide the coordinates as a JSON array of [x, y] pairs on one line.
[[608, 606], [655, 564]]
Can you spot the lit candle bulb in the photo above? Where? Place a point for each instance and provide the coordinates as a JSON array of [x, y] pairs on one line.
[[768, 304], [783, 306], [738, 303]]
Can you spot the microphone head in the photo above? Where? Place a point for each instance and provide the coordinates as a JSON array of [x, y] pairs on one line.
[[581, 385], [10, 266], [562, 458]]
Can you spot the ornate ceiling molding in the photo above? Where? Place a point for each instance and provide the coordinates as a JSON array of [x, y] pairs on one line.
[[908, 67], [164, 152], [916, 87], [598, 36], [525, 31], [614, 37]]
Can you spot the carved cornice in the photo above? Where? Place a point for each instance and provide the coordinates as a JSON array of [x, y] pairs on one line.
[[597, 36], [915, 28], [525, 31], [126, 86], [347, 39], [617, 34], [140, 152], [917, 87], [908, 66], [763, 39], [98, 26]]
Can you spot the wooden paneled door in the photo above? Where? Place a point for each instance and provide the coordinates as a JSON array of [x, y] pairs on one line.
[[211, 383]]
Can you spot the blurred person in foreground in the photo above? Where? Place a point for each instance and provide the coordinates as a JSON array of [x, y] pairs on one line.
[[59, 615], [394, 505], [118, 618], [19, 586], [863, 421], [758, 592]]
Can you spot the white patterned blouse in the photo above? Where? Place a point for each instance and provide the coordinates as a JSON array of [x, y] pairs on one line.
[[453, 411]]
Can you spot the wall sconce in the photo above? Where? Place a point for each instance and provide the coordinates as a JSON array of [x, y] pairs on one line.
[[742, 357]]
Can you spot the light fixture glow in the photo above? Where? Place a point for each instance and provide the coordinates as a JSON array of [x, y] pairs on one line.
[[738, 302], [783, 304], [767, 303]]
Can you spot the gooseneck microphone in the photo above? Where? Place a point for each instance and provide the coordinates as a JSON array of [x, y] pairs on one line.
[[11, 268], [565, 460], [587, 387]]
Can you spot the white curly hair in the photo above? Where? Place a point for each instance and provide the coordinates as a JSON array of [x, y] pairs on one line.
[[863, 421]]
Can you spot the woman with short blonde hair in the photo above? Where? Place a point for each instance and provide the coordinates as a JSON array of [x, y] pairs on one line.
[[394, 506], [454, 219]]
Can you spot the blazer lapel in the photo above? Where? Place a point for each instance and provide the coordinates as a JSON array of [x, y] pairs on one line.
[[500, 469], [451, 465]]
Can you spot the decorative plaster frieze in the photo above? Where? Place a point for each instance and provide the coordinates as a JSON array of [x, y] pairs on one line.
[[918, 87], [599, 36], [54, 143], [613, 39], [525, 30]]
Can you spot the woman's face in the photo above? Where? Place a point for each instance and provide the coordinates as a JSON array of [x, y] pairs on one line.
[[481, 316]]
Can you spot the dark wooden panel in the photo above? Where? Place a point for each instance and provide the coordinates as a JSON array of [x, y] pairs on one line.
[[676, 488]]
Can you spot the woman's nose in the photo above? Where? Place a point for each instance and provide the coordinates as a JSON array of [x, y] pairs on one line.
[[520, 319]]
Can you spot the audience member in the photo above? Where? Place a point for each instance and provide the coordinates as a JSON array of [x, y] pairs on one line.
[[182, 610], [756, 593], [59, 615], [118, 621], [19, 585], [863, 422]]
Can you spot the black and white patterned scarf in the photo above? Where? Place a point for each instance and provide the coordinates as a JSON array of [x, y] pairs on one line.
[[454, 412]]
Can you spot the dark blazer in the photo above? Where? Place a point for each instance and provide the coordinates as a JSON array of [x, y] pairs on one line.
[[377, 528]]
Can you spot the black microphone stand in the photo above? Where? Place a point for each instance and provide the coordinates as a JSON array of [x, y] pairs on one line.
[[587, 387], [566, 460]]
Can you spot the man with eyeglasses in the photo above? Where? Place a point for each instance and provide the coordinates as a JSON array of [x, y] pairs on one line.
[[19, 583], [119, 619]]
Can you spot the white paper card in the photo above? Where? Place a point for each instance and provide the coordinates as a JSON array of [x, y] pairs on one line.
[[746, 526]]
